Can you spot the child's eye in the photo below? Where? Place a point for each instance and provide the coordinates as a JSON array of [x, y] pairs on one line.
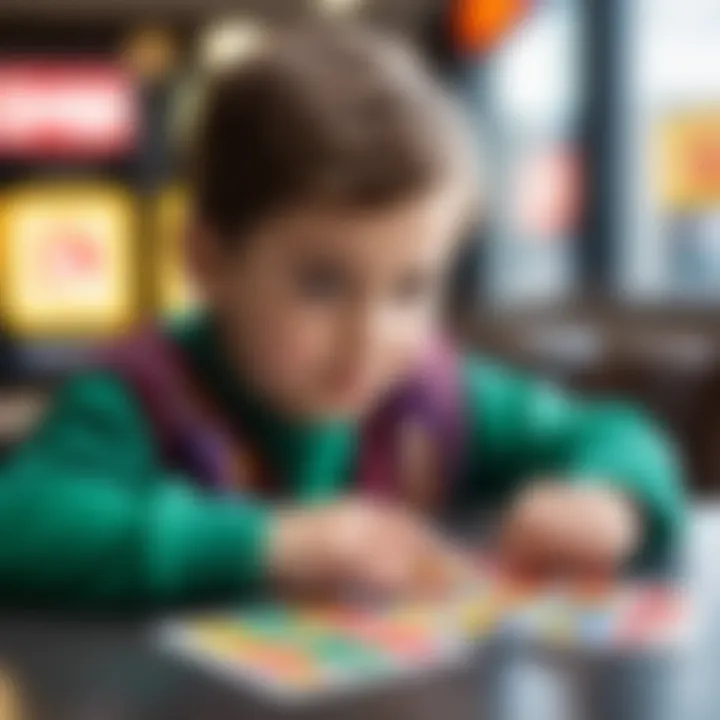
[[321, 282]]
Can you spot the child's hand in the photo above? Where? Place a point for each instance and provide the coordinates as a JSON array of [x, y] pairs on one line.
[[555, 530], [361, 546]]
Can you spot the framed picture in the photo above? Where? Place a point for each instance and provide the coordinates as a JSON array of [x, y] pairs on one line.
[[67, 253], [688, 158], [686, 177], [174, 291]]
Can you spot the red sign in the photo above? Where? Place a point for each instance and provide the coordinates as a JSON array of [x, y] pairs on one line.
[[550, 193], [67, 110]]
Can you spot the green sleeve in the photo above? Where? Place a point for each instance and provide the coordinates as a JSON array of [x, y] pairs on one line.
[[521, 428], [89, 516]]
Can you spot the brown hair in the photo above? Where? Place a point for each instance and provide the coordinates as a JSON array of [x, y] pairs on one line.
[[338, 116]]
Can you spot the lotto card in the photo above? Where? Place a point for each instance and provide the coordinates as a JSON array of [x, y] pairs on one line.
[[296, 653], [625, 619], [304, 652]]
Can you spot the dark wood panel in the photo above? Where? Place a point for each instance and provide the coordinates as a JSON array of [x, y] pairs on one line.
[[406, 13]]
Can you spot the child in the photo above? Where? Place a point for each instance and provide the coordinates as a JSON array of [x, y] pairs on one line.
[[248, 445]]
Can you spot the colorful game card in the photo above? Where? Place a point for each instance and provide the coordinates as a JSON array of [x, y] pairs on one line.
[[300, 652], [627, 618], [67, 253], [296, 652]]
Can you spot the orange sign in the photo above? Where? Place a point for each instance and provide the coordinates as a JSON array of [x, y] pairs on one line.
[[688, 156], [67, 254], [481, 25], [11, 707]]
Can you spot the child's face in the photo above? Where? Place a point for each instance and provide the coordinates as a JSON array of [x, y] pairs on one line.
[[324, 310]]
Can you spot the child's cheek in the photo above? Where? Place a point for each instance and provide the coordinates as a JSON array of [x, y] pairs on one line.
[[301, 346]]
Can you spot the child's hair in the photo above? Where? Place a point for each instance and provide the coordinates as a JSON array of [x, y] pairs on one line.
[[339, 117]]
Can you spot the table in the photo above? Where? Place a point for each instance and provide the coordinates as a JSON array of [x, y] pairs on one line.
[[64, 669], [72, 670]]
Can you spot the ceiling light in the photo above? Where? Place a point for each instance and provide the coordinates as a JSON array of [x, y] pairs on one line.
[[230, 40], [338, 7]]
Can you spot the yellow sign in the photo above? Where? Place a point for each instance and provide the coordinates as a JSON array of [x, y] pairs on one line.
[[10, 705], [688, 155], [67, 253], [174, 289]]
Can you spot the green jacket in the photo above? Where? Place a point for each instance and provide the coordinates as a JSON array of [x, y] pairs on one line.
[[91, 517]]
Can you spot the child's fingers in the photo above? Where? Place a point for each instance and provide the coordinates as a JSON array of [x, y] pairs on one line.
[[440, 566], [365, 547], [387, 574], [403, 556], [534, 546], [568, 532]]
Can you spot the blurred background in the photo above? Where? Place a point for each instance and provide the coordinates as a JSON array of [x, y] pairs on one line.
[[598, 123]]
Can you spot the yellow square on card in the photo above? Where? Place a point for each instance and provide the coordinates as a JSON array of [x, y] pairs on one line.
[[67, 254]]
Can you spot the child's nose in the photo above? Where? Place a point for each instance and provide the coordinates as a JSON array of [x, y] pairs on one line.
[[372, 327]]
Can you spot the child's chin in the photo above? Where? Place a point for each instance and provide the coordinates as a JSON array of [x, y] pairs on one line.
[[343, 406], [332, 411]]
